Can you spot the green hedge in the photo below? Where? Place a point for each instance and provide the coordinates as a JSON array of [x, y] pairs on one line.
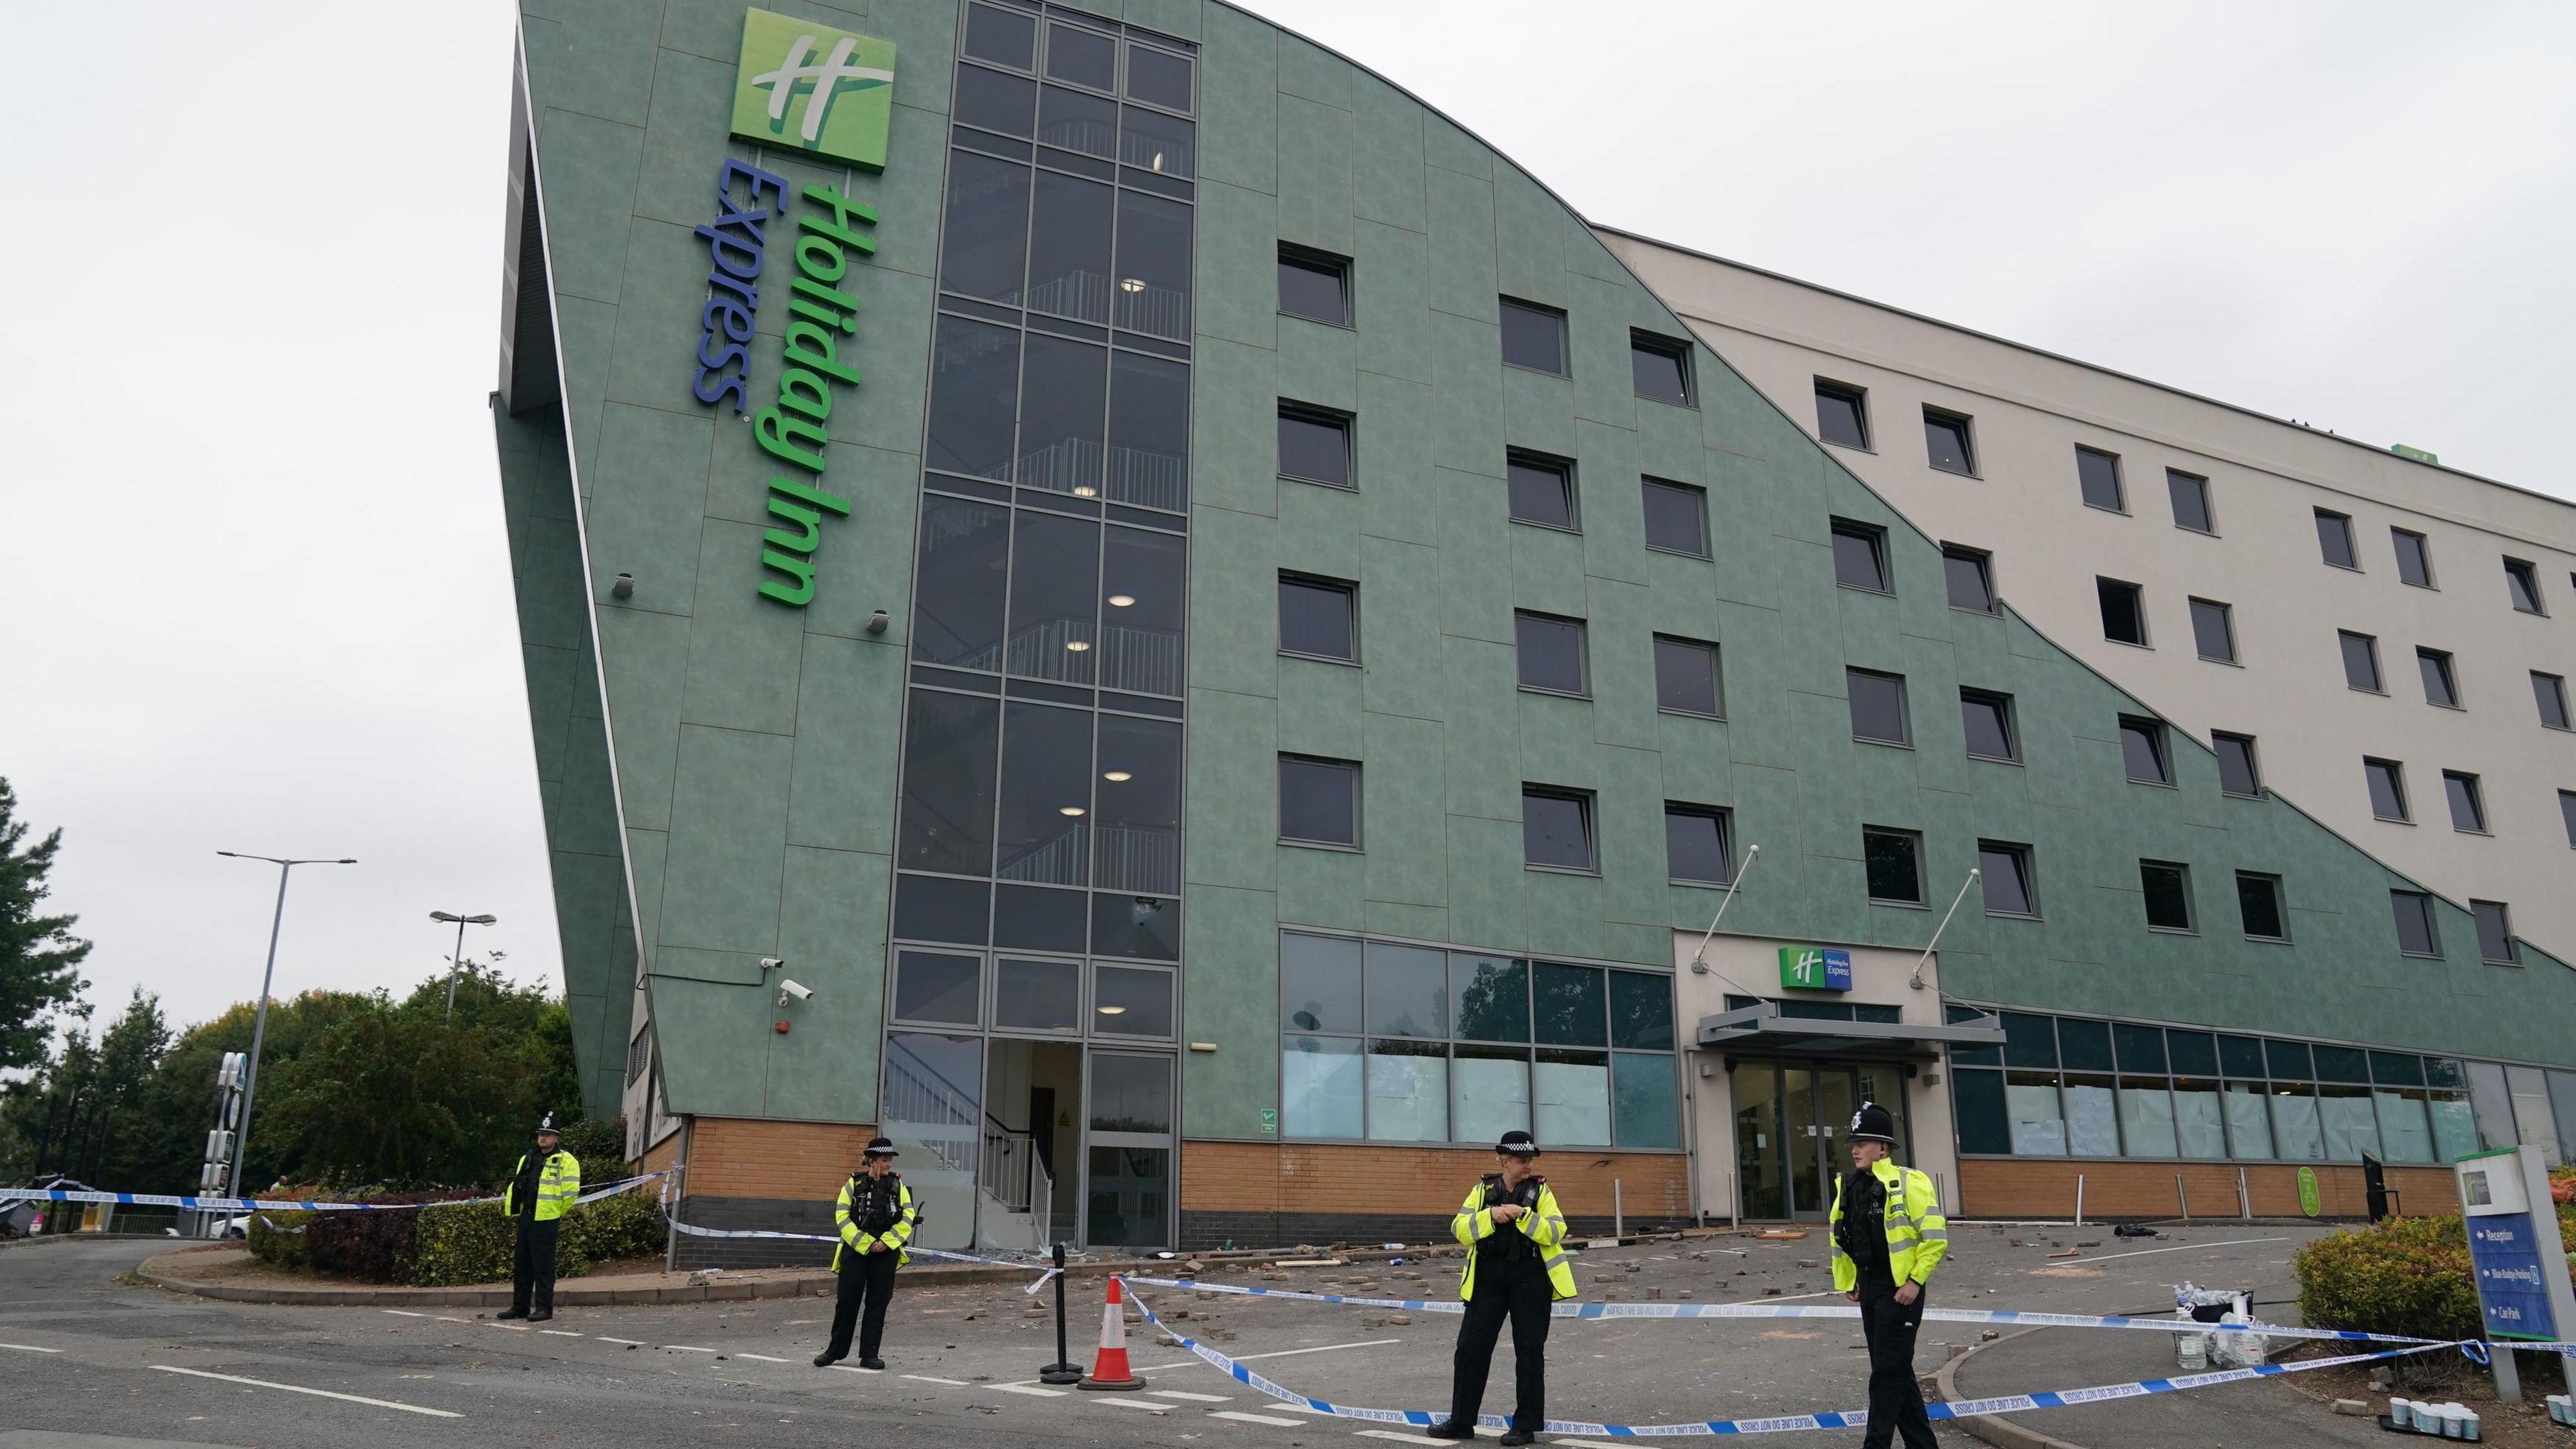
[[2405, 1276], [279, 1237], [443, 1246]]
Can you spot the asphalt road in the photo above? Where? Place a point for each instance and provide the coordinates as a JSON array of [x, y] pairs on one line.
[[87, 1361]]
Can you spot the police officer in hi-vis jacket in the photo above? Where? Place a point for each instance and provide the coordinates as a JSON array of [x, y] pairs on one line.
[[874, 1219], [1516, 1270], [1888, 1236], [542, 1187]]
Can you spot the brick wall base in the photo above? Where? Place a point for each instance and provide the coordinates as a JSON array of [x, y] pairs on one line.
[[1267, 1194], [2041, 1187]]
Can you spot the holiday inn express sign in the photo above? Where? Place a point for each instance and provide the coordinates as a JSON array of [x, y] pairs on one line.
[[809, 87]]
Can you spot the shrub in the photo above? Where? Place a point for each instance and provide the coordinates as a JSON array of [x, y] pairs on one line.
[[2406, 1276], [278, 1237], [473, 1243], [600, 1144]]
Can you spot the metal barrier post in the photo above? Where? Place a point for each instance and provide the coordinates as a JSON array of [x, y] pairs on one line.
[[2079, 1199], [1063, 1370], [2244, 1197], [2182, 1197], [1618, 1210]]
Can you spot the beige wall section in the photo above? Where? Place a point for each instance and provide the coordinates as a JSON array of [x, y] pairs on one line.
[[2267, 478], [1750, 966]]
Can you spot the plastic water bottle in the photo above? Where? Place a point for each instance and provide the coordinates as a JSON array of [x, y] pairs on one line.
[[2193, 1352]]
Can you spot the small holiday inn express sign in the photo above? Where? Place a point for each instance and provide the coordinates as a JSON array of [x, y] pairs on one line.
[[1815, 968], [808, 87]]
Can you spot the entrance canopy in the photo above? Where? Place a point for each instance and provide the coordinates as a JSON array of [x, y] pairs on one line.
[[1763, 1028]]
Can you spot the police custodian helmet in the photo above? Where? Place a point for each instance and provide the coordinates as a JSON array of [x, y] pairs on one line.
[[1873, 1123], [1517, 1143], [881, 1147]]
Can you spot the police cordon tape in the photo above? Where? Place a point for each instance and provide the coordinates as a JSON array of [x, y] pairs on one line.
[[1783, 1423], [1043, 1271], [10, 1195], [1786, 1310]]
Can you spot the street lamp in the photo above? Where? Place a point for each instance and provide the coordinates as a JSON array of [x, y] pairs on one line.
[[453, 962], [259, 1026]]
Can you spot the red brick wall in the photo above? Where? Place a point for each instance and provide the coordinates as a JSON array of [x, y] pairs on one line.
[[743, 1157], [1264, 1177], [2039, 1187]]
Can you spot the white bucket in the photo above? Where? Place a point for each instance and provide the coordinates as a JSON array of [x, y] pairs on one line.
[[2401, 1414], [2453, 1420], [2470, 1427]]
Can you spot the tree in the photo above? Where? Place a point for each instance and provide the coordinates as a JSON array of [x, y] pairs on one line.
[[39, 956]]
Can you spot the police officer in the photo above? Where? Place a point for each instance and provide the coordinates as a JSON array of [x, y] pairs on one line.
[[542, 1186], [1888, 1236], [874, 1219], [1516, 1269]]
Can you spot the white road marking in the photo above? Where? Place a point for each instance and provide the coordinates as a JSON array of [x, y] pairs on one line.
[[1030, 1389], [687, 1348], [1240, 1417], [568, 1333], [29, 1348], [443, 1318], [932, 1379], [399, 1313], [764, 1358], [513, 1327], [2180, 1248], [1194, 1398], [317, 1393], [851, 1368], [1148, 1405], [604, 1338]]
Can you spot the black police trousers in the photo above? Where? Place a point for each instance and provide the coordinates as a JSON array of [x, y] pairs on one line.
[[1895, 1399], [1518, 1291], [867, 1277], [532, 1267]]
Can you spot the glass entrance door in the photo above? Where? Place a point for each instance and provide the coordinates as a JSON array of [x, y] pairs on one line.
[[1793, 1130], [1127, 1163]]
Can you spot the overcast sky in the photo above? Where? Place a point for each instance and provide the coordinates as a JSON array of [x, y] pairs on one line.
[[253, 587]]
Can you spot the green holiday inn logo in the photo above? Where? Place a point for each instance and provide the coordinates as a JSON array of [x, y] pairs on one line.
[[808, 87]]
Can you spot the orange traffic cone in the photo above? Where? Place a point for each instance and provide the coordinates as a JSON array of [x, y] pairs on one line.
[[1109, 1370]]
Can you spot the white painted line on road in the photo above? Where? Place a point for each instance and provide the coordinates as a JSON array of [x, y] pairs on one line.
[[443, 1318], [2180, 1248], [317, 1393], [930, 1379], [604, 1338], [1029, 1389], [29, 1348], [1273, 1420], [686, 1348], [1194, 1398], [400, 1313], [559, 1332], [1148, 1405], [513, 1327], [851, 1368], [764, 1358]]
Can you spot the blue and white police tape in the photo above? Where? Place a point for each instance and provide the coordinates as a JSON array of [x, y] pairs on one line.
[[1851, 1419], [1043, 1271], [258, 1204], [2014, 1317]]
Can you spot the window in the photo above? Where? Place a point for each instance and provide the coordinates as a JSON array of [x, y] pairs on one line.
[[2495, 933], [1860, 556], [2213, 630], [1551, 653], [1315, 285], [1314, 445], [1001, 36], [2522, 585], [1158, 78], [2004, 870], [2142, 750], [1676, 517], [2190, 495], [2441, 686], [1686, 677], [1319, 618], [2237, 774], [2567, 815], [1556, 829], [1987, 719], [1842, 414], [1542, 490], [2258, 904], [1319, 801], [2334, 539], [2387, 788], [1698, 844], [2097, 477], [2360, 661], [2414, 557], [1661, 367], [1894, 863], [2167, 887], [2124, 611], [2415, 935], [2468, 805], [1533, 337], [2549, 691], [1945, 442], [1970, 577], [1877, 706]]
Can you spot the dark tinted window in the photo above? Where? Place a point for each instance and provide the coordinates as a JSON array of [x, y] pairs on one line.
[[935, 986], [2124, 611], [2289, 1061], [1153, 291], [2195, 1053], [1149, 431], [2522, 585], [1004, 37], [1985, 1124], [2414, 557], [1686, 679], [1533, 336], [1696, 844], [2097, 475], [1139, 811], [2415, 923], [1055, 597], [1877, 706], [1987, 718], [2387, 788], [1318, 617], [2258, 902], [994, 101], [2334, 539], [957, 606], [1661, 368], [1971, 579], [1062, 396], [2213, 631], [1144, 613], [974, 384], [2004, 871], [2440, 687], [1078, 122], [2495, 933], [1860, 556], [1135, 925], [1082, 57], [1551, 653], [2242, 1056], [2167, 887], [2549, 691], [2142, 751], [1542, 490], [1569, 1008], [2468, 806], [936, 908], [1069, 246], [2084, 1045], [1152, 141], [1044, 995], [2342, 1064], [2190, 493], [2360, 660], [1945, 442], [2141, 1048], [1676, 517], [987, 231], [1556, 828], [950, 756], [2567, 815], [2237, 774], [1315, 286], [1314, 445], [1842, 414], [1158, 77], [1319, 800], [1046, 795], [1894, 865], [1641, 1011]]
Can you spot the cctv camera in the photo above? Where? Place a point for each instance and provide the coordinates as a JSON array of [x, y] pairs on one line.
[[772, 963], [788, 988]]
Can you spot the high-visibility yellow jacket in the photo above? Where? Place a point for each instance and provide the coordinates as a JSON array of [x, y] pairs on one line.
[[853, 1240], [1543, 1225], [558, 1183], [1918, 1237]]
